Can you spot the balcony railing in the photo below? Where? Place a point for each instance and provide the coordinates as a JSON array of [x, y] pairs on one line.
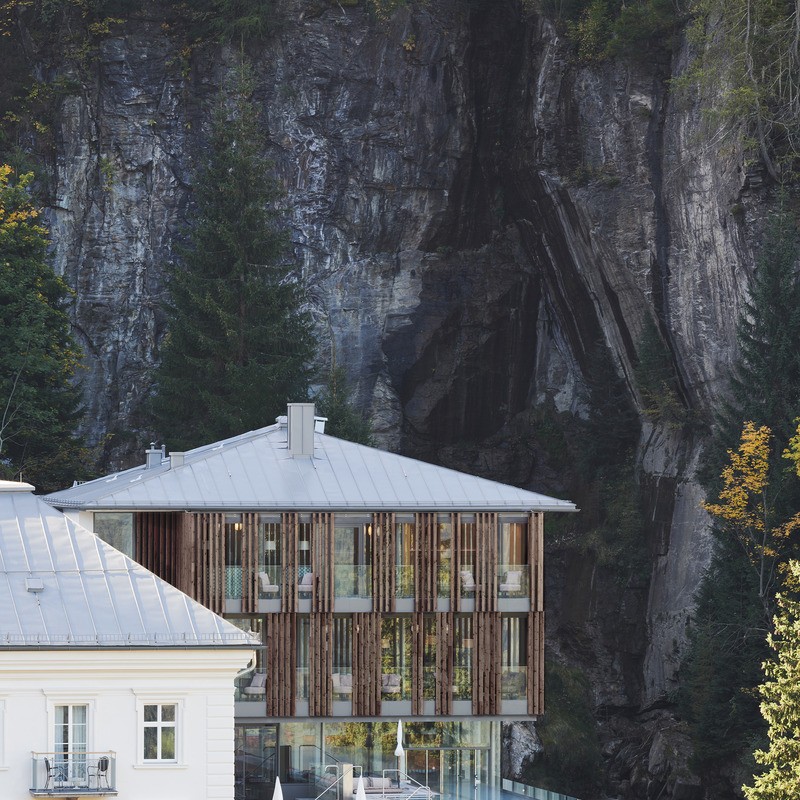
[[512, 580], [71, 774]]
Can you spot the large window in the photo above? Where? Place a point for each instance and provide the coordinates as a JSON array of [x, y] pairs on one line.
[[159, 724], [513, 570], [233, 555], [251, 686], [269, 556], [352, 545], [445, 557], [514, 655], [342, 658], [404, 558], [396, 658], [116, 529], [70, 740], [462, 657], [303, 636]]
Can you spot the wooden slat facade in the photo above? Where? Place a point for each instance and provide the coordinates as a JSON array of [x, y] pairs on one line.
[[290, 534], [486, 540], [384, 574], [536, 662], [426, 565], [158, 543], [187, 559], [204, 579], [536, 560], [486, 663], [250, 563], [444, 663], [320, 665], [322, 562], [280, 663], [366, 662], [457, 559]]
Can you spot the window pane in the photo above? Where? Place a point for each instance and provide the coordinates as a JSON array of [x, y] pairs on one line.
[[150, 713], [168, 713], [168, 743], [116, 529], [150, 743]]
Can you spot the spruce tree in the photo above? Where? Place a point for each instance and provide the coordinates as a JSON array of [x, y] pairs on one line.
[[38, 356], [239, 344]]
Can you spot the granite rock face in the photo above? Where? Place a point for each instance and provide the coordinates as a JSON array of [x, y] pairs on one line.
[[473, 213]]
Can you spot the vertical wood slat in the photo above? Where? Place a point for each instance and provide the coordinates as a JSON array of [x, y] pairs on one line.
[[417, 663], [320, 662], [486, 561], [208, 576], [322, 562], [457, 547], [536, 559], [187, 553], [426, 566], [249, 563], [157, 537], [486, 663], [366, 664], [383, 562], [280, 638], [536, 663], [444, 662], [290, 534]]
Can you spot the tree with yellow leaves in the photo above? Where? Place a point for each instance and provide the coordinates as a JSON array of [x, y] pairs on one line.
[[744, 508]]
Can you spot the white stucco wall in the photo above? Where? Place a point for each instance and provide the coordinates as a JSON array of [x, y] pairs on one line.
[[115, 684]]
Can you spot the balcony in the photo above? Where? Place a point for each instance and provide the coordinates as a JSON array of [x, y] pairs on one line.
[[74, 774]]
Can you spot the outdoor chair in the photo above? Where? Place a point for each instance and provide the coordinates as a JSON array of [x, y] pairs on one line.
[[512, 582], [55, 773], [342, 683], [99, 773], [267, 586], [467, 581], [258, 685], [306, 584]]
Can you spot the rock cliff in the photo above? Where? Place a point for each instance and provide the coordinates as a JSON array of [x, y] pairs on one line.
[[473, 212]]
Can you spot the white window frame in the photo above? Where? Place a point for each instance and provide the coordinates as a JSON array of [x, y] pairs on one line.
[[81, 699], [165, 699]]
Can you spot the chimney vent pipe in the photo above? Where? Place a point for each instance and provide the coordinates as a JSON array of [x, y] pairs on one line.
[[300, 426], [153, 456]]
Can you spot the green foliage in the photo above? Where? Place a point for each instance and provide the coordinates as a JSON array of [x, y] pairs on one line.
[[239, 345], [572, 760], [344, 421], [748, 68], [656, 378], [780, 706], [38, 357]]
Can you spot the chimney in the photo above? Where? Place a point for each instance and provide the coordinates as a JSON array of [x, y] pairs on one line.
[[176, 459], [319, 424], [153, 456], [300, 425]]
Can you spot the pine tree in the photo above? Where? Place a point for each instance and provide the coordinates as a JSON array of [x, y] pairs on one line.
[[38, 357], [239, 344]]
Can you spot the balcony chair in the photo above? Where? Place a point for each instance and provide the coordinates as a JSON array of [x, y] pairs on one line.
[[55, 773], [342, 683], [306, 584], [258, 685], [267, 586], [512, 582], [99, 772], [467, 581], [390, 683]]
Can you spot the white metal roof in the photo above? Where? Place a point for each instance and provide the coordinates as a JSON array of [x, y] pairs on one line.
[[255, 471], [61, 586]]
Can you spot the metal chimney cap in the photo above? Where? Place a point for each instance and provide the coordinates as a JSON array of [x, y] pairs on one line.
[[34, 585]]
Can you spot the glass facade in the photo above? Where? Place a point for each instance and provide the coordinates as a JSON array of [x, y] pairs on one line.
[[514, 655], [352, 558], [404, 558], [116, 529], [396, 658], [512, 569], [269, 556]]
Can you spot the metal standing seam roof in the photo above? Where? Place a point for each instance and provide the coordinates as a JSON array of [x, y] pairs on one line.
[[61, 586], [255, 471]]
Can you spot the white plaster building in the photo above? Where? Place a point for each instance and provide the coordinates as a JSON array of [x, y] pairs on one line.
[[112, 682]]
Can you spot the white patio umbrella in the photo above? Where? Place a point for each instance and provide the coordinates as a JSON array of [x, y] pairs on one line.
[[278, 793], [398, 751], [360, 792]]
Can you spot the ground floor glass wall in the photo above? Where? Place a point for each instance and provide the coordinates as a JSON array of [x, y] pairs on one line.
[[445, 756]]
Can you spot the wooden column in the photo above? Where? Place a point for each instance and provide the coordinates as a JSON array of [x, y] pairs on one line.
[[250, 563], [444, 663], [322, 562], [486, 562], [536, 662], [367, 664], [207, 576], [320, 665], [536, 559], [280, 638], [486, 663], [188, 553], [290, 534], [383, 562], [457, 548], [426, 567]]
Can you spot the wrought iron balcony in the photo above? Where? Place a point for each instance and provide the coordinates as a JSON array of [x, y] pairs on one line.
[[71, 774]]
